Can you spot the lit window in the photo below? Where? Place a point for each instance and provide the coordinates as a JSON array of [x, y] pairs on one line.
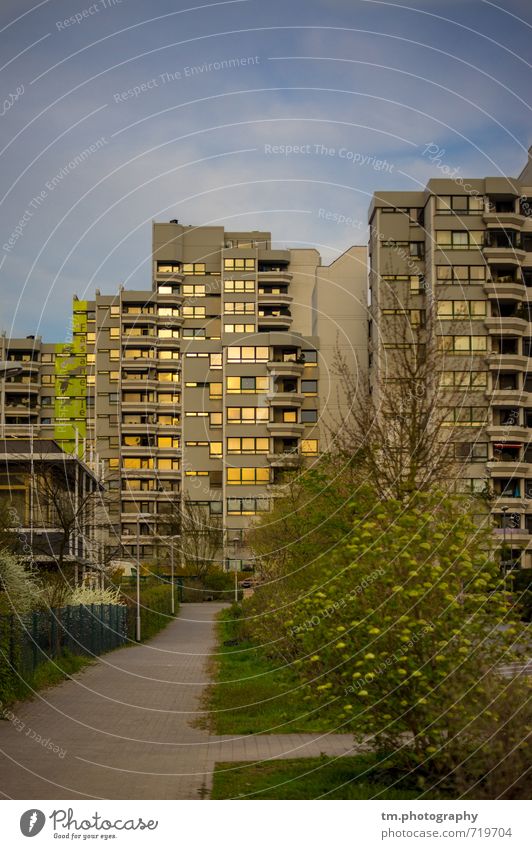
[[239, 328], [244, 385], [239, 264], [215, 419], [248, 476], [215, 449], [239, 285], [309, 446]]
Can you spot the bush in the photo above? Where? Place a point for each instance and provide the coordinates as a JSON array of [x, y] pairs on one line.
[[155, 610]]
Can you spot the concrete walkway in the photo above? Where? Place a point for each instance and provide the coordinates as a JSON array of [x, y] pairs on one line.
[[123, 728]]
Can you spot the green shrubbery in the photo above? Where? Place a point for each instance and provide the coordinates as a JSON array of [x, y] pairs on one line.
[[390, 611], [155, 610]]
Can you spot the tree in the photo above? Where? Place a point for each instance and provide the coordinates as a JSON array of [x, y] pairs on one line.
[[200, 535], [399, 424], [402, 631], [19, 589]]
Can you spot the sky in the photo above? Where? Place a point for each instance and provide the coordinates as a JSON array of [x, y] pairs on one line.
[[283, 115]]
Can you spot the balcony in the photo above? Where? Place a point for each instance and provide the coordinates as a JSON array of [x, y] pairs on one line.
[[289, 430], [275, 276], [501, 289], [503, 362], [513, 535], [290, 368], [285, 460], [509, 432], [285, 399], [508, 325], [274, 322], [273, 300], [508, 468], [505, 220], [507, 397], [503, 254]]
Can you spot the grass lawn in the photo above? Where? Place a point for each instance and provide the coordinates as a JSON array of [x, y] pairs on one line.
[[47, 674], [310, 778], [253, 696]]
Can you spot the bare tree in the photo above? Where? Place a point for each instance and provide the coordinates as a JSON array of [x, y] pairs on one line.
[[200, 534], [401, 427]]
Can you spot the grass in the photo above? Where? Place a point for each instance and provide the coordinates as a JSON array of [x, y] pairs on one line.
[[47, 674], [252, 695], [356, 777]]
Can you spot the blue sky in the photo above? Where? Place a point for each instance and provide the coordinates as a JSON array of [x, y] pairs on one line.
[[176, 133]]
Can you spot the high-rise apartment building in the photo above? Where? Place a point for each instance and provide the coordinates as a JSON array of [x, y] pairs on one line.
[[460, 254], [203, 389]]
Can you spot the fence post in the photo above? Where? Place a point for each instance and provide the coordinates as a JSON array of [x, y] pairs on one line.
[[34, 647]]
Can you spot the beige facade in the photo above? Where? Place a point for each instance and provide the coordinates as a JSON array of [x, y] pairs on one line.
[[205, 387], [460, 253]]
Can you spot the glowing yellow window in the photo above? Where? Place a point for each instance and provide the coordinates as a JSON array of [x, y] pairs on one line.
[[215, 390], [215, 449], [309, 446]]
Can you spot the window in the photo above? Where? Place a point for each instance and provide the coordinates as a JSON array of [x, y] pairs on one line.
[[459, 205], [168, 267], [416, 249], [137, 462], [247, 506], [463, 344], [247, 415], [192, 414], [468, 380], [215, 508], [466, 416], [196, 444], [167, 333], [239, 264], [460, 273], [248, 445], [168, 398], [239, 285], [463, 240], [167, 442], [309, 446], [246, 354], [248, 476], [168, 311], [215, 449], [113, 462], [194, 333], [215, 390], [194, 473], [168, 355], [194, 290], [310, 357], [46, 400], [193, 355], [239, 328], [168, 376], [168, 464], [114, 310], [415, 317], [47, 379], [416, 281], [47, 358], [309, 387], [243, 385], [289, 416], [193, 312], [215, 419], [114, 332], [191, 268], [239, 307], [472, 451], [470, 310], [309, 416], [215, 361]]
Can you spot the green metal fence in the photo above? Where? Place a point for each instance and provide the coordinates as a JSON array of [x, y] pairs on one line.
[[33, 638]]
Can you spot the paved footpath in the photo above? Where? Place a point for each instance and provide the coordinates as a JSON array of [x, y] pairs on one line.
[[124, 726]]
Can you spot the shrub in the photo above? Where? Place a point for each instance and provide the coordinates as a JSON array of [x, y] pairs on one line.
[[155, 610]]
